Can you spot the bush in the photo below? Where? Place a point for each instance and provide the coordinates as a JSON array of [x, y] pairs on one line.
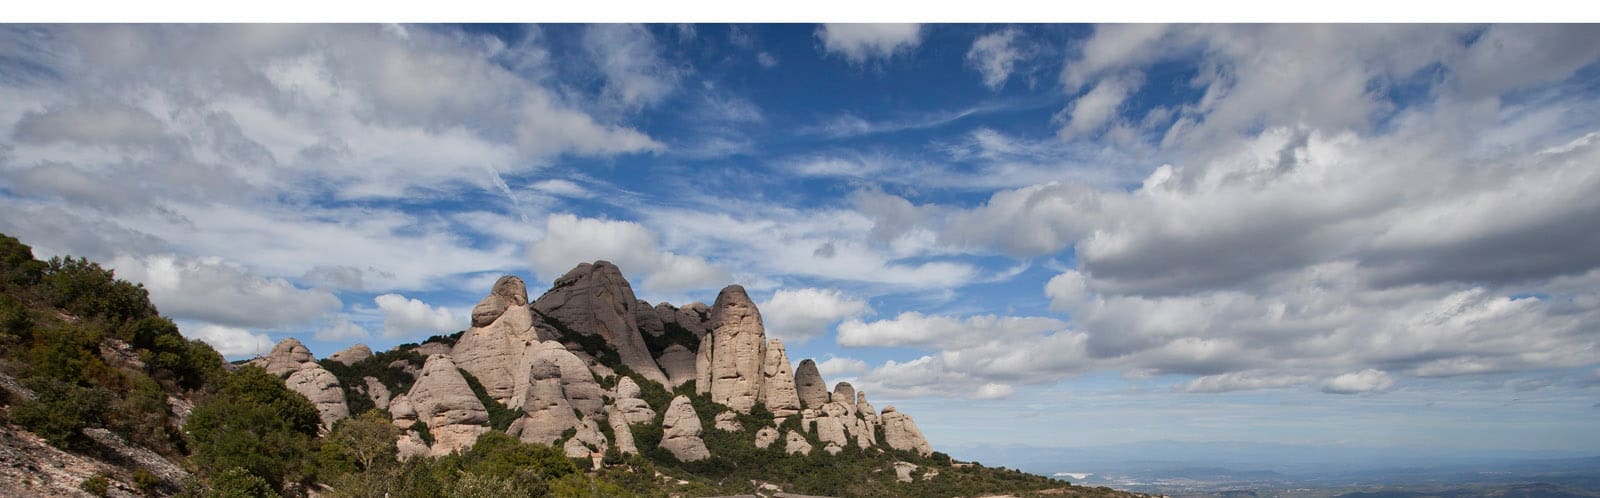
[[146, 481], [240, 483], [500, 417], [85, 289], [61, 410], [97, 485], [17, 266]]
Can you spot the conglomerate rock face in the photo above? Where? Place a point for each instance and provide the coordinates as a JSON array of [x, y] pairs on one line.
[[286, 357], [594, 299], [777, 384], [681, 431], [809, 385], [901, 433], [738, 350], [322, 388], [442, 399]]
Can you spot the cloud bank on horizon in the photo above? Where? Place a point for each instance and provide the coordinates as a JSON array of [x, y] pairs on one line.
[[1253, 213]]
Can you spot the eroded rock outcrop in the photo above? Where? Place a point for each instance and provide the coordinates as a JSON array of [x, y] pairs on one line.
[[629, 403], [796, 444], [622, 429], [738, 350], [543, 397], [351, 355], [587, 440], [322, 388], [845, 395], [766, 436], [378, 392], [809, 386], [681, 431], [442, 399], [508, 291], [677, 362], [728, 422], [594, 299], [286, 357], [777, 384], [502, 330], [901, 433]]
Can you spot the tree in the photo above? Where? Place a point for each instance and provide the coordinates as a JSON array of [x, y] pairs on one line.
[[254, 423], [366, 439], [61, 410]]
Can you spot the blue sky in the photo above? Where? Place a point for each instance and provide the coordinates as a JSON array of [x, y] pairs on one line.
[[1055, 235]]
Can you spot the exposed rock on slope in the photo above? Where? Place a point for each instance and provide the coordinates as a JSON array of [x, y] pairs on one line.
[[777, 384], [286, 357], [508, 291], [809, 385], [678, 363], [543, 398], [901, 433], [378, 392], [492, 352], [351, 355], [680, 431], [594, 299], [794, 443], [442, 399], [738, 349], [322, 388]]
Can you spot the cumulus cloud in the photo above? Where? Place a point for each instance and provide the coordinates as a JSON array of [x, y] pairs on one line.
[[1365, 381], [229, 341], [1240, 381], [570, 240], [918, 330], [994, 56], [341, 330], [860, 43], [217, 292], [404, 317], [839, 366], [800, 315], [626, 54]]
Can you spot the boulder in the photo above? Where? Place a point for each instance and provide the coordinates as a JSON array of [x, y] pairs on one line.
[[322, 388], [594, 299], [777, 384], [351, 355], [728, 422], [832, 449], [443, 400], [680, 431], [795, 444], [630, 405], [766, 436], [402, 412], [508, 291], [627, 388], [809, 386], [285, 358], [677, 362], [739, 350], [901, 433], [831, 430], [378, 392], [903, 470]]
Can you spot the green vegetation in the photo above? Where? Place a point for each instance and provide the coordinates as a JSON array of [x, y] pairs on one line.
[[97, 485], [352, 378], [257, 424], [675, 334], [500, 417]]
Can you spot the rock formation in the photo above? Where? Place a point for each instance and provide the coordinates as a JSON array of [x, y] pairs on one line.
[[587, 440], [622, 430], [901, 433], [322, 388], [795, 444], [678, 363], [650, 323], [630, 405], [738, 350], [680, 431], [378, 392], [845, 395], [351, 355], [728, 422], [442, 399], [809, 385], [508, 291], [286, 357], [492, 352], [766, 436], [777, 384], [594, 299], [833, 423], [543, 398]]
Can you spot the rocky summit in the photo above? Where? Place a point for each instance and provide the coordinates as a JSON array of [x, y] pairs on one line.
[[554, 363]]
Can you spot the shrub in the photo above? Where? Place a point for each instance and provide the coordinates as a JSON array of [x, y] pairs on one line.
[[60, 411], [240, 483], [254, 423], [146, 481], [97, 485]]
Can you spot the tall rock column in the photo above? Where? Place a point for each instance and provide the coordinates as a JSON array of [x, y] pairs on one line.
[[777, 384], [808, 383], [594, 299], [502, 327], [739, 350], [443, 400]]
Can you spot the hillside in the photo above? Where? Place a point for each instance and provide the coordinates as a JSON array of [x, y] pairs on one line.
[[583, 391]]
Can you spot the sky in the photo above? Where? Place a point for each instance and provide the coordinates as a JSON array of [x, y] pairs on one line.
[[1055, 235]]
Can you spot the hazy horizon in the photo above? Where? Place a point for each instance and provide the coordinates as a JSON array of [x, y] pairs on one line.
[[1338, 236]]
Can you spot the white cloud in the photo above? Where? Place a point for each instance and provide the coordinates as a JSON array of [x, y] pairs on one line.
[[918, 330], [342, 330], [799, 315], [229, 341], [1093, 110], [626, 55], [405, 317], [841, 367], [1241, 381], [221, 293], [860, 43], [994, 56], [570, 240], [1365, 381]]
